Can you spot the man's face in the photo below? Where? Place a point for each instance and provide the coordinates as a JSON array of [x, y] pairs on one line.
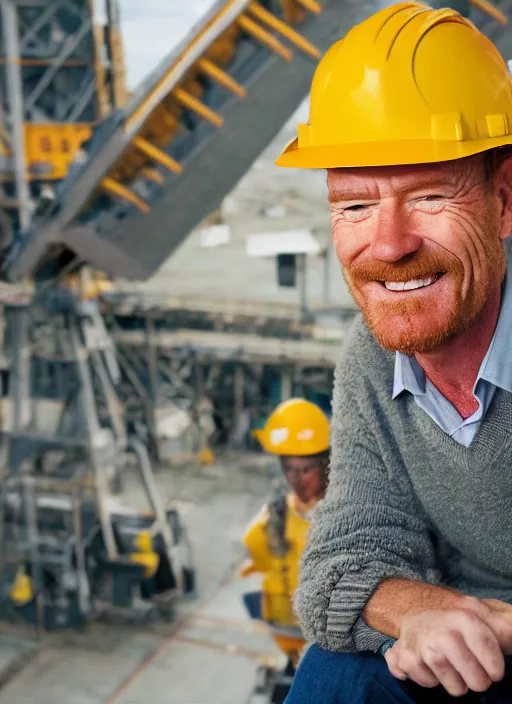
[[420, 246], [307, 477]]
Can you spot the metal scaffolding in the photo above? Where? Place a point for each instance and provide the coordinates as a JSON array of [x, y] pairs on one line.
[[61, 72]]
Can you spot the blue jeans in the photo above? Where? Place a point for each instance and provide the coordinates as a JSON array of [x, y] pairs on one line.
[[364, 678]]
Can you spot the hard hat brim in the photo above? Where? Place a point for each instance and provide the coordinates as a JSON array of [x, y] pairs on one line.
[[395, 153], [259, 435]]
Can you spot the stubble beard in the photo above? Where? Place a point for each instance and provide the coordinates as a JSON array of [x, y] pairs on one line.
[[408, 326], [399, 327]]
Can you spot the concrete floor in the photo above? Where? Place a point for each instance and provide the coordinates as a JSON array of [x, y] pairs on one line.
[[211, 652]]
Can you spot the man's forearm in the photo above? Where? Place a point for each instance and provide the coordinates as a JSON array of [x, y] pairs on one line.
[[395, 597]]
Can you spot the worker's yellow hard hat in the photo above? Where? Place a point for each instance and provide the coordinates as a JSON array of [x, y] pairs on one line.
[[409, 85], [296, 427]]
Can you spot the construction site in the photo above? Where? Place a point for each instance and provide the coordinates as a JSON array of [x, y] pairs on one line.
[[163, 289]]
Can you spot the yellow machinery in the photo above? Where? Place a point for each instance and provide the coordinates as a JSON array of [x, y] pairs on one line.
[[87, 287], [145, 554], [50, 149], [22, 590]]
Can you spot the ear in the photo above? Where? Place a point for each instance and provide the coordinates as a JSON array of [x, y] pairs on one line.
[[503, 184]]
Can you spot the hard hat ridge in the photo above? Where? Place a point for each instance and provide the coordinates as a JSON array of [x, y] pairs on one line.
[[408, 85]]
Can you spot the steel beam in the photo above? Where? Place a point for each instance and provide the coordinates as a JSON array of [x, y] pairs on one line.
[[20, 370], [68, 48], [41, 21], [16, 110], [92, 427], [85, 99]]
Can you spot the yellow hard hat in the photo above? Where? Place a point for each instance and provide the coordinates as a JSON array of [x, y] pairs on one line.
[[409, 85], [296, 427]]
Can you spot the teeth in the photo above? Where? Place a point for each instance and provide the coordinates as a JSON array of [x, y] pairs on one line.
[[408, 285]]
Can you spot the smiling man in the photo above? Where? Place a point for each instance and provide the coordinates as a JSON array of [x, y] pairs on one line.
[[406, 584]]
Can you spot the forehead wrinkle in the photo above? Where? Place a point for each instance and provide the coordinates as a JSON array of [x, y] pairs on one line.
[[417, 182], [369, 184]]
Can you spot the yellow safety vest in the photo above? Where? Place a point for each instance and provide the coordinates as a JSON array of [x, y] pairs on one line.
[[280, 572]]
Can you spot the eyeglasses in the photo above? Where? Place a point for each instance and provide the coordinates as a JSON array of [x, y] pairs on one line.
[[302, 469]]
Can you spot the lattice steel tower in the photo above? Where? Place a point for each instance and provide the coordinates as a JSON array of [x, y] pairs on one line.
[[62, 70]]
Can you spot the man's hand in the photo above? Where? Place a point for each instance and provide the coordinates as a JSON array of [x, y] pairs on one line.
[[499, 618], [460, 648], [443, 636]]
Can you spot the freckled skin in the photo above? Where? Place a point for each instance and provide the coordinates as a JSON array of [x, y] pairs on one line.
[[408, 222]]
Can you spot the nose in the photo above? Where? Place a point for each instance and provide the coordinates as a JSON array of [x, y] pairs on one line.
[[295, 477], [393, 239]]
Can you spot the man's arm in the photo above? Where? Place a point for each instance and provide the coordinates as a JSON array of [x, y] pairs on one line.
[[364, 531], [395, 598]]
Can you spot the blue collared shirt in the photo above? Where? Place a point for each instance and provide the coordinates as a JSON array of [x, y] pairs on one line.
[[495, 371]]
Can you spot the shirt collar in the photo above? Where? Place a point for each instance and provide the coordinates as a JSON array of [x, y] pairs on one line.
[[409, 376], [496, 367]]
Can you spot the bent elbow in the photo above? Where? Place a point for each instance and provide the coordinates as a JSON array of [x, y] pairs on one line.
[[313, 613]]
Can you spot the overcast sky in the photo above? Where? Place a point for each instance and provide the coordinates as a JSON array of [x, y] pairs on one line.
[[151, 28]]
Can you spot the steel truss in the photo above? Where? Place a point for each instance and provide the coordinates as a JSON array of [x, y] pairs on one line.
[[66, 451]]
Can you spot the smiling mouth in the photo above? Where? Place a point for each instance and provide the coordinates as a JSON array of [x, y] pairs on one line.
[[411, 284]]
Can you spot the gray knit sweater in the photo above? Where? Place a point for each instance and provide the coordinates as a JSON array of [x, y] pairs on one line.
[[404, 499]]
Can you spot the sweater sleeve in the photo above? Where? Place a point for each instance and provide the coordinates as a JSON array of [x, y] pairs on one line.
[[364, 531]]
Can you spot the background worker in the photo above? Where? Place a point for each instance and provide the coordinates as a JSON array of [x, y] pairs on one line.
[[298, 433], [406, 582]]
